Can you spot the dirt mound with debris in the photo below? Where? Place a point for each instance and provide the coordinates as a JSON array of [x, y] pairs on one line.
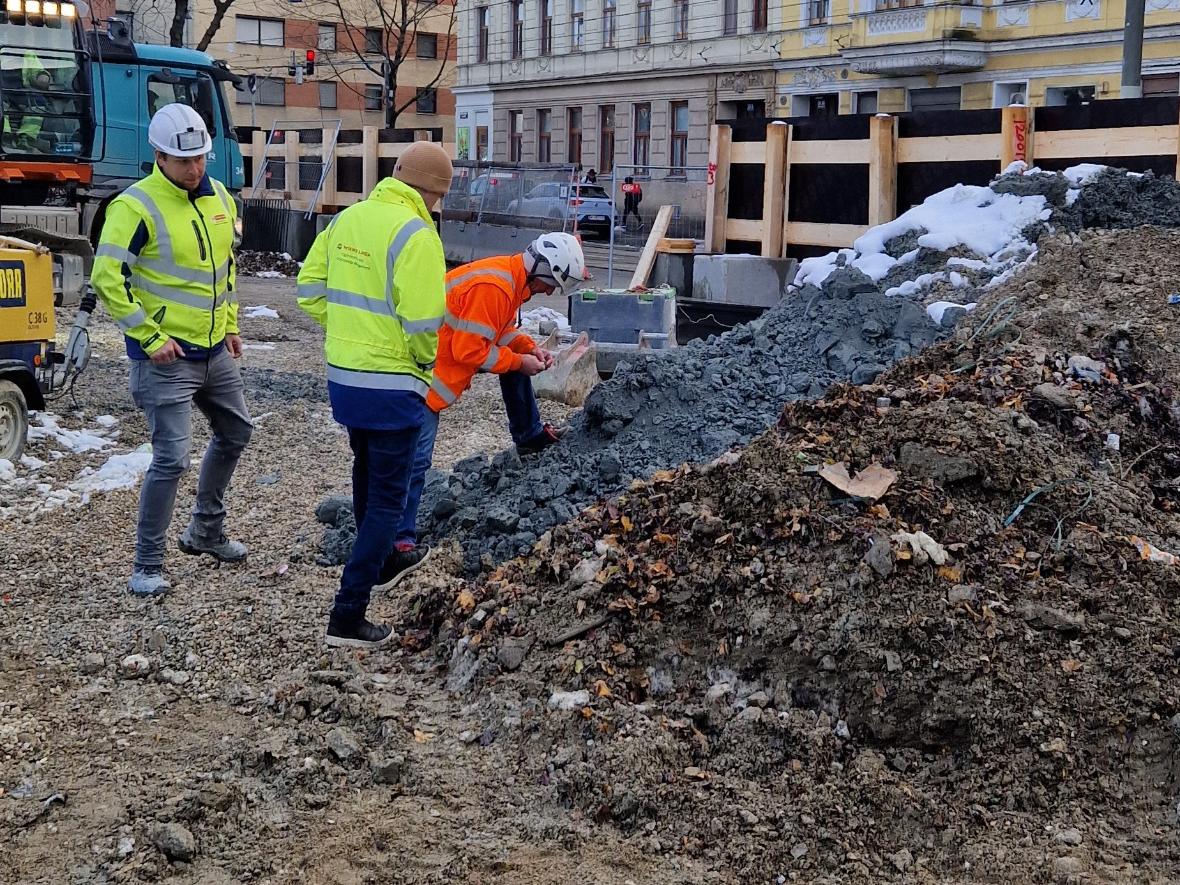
[[271, 265], [972, 677]]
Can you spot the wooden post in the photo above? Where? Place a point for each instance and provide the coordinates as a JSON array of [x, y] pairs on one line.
[[647, 257], [1177, 176], [369, 143], [327, 156], [882, 169], [258, 156], [717, 188], [774, 189], [1016, 136]]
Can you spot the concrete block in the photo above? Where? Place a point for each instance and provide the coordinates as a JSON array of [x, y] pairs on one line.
[[675, 270], [615, 316], [741, 279]]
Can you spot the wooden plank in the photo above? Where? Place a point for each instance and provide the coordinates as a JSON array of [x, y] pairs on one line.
[[1015, 136], [717, 188], [744, 229], [291, 162], [787, 189], [1130, 141], [772, 189], [748, 152], [673, 245], [328, 158], [647, 258], [368, 160], [882, 169], [843, 151], [1176, 175], [948, 148], [835, 236]]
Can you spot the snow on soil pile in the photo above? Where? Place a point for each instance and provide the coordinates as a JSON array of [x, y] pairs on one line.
[[850, 315]]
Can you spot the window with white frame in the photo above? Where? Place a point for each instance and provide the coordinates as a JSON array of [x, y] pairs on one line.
[[258, 31]]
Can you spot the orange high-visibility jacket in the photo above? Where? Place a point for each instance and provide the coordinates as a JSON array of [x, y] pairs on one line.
[[479, 332]]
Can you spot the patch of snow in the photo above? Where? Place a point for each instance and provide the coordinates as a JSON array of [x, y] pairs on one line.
[[815, 270], [532, 319], [1016, 167], [250, 346], [969, 263], [270, 275], [1083, 172], [938, 309], [107, 421], [260, 312], [77, 441], [119, 472], [909, 257], [7, 470], [286, 256], [874, 265], [32, 463]]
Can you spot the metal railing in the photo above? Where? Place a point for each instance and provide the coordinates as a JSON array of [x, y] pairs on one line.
[[681, 188]]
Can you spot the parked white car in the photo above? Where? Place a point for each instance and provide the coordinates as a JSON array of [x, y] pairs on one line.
[[589, 203]]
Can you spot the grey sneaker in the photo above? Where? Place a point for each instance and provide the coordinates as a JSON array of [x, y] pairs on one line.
[[148, 582], [222, 549]]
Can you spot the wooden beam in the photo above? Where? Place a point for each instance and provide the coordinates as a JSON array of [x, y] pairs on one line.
[[882, 169], [748, 152], [773, 191], [647, 258], [1129, 141], [1016, 136], [744, 229], [328, 158], [834, 236], [676, 245], [831, 151], [948, 148], [291, 162], [717, 187], [369, 143]]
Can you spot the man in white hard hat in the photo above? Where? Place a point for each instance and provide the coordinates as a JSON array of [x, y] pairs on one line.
[[164, 268]]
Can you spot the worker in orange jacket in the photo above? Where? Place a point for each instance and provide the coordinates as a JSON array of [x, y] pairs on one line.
[[479, 334]]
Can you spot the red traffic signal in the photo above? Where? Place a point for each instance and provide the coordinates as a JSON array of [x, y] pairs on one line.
[[309, 65]]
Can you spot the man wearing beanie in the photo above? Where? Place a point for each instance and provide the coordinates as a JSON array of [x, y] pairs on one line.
[[375, 281]]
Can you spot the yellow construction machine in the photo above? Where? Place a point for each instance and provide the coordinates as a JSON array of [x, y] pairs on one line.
[[31, 367]]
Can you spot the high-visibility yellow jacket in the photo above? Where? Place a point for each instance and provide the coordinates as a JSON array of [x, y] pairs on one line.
[[374, 279], [164, 266]]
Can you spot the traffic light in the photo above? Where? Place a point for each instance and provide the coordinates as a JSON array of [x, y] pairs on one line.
[[309, 65]]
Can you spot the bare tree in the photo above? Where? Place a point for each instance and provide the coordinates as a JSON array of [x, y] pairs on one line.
[[394, 25], [180, 13]]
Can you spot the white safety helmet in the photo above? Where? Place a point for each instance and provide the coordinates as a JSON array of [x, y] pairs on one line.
[[179, 131], [557, 258]]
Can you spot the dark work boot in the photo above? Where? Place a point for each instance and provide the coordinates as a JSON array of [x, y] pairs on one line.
[[400, 564], [548, 436], [356, 634]]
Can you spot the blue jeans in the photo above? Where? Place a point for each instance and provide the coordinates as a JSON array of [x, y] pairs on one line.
[[524, 423], [380, 480]]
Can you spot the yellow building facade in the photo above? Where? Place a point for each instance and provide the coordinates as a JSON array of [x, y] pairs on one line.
[[880, 56]]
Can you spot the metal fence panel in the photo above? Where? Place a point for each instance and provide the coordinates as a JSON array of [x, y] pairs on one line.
[[265, 224], [512, 195], [681, 188]]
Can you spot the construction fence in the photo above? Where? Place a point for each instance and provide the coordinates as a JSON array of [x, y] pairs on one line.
[[804, 186]]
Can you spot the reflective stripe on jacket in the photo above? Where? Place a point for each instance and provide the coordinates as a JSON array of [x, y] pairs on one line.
[[178, 281], [479, 333]]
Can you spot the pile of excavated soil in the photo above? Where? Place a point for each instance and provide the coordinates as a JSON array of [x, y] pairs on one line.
[[973, 678], [695, 403]]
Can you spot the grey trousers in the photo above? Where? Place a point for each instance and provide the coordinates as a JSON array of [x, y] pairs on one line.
[[166, 394]]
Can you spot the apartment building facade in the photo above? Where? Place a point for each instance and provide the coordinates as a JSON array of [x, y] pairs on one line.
[[604, 82], [350, 39], [868, 56], [599, 83]]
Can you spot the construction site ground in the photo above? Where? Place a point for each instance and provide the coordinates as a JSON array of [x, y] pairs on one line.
[[731, 673]]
